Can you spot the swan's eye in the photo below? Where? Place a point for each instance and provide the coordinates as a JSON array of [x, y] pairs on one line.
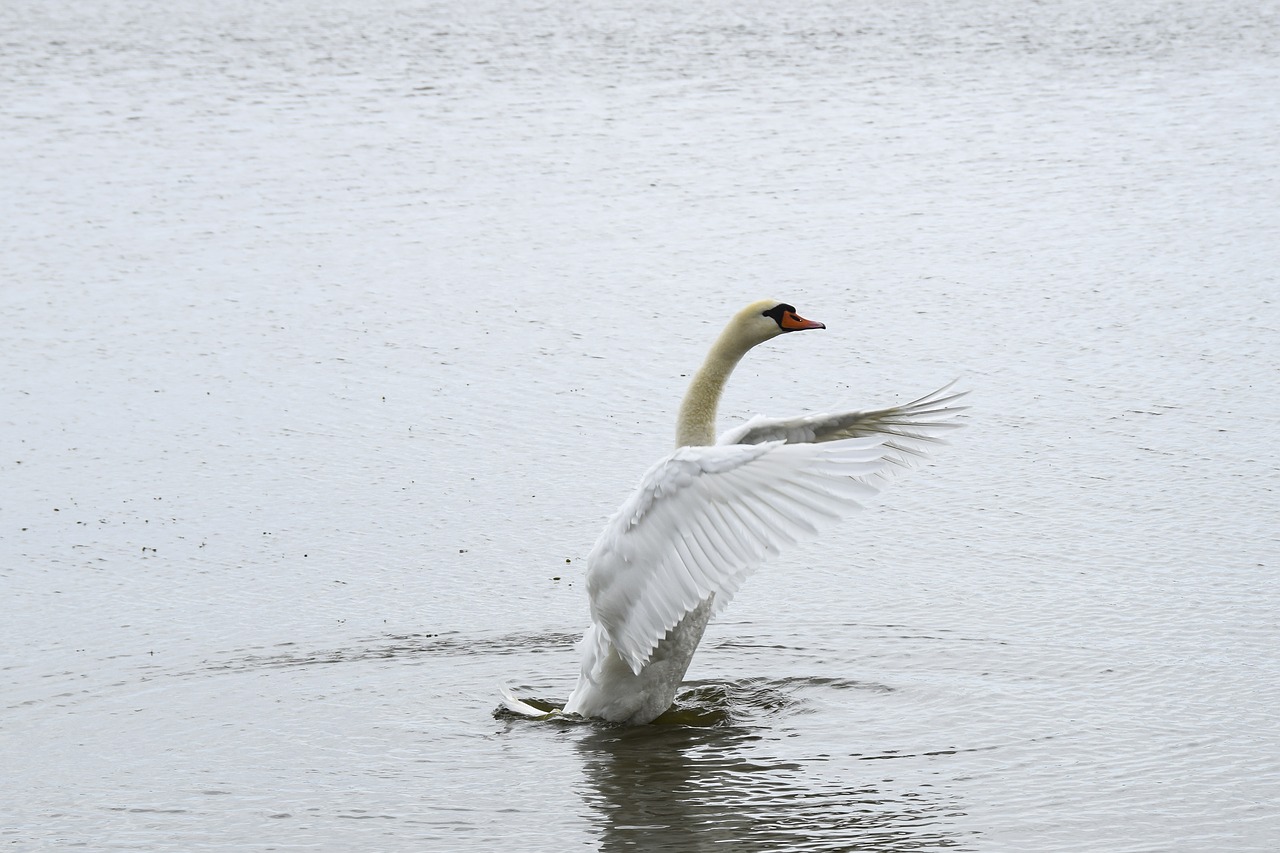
[[778, 312]]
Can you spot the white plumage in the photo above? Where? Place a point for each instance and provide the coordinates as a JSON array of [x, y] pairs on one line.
[[706, 516], [703, 519]]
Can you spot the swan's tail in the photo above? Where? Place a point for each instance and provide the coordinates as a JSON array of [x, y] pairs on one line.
[[524, 709]]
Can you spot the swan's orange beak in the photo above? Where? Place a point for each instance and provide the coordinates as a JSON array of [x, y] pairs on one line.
[[792, 322]]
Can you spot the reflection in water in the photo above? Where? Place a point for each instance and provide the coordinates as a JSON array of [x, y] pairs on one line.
[[693, 788]]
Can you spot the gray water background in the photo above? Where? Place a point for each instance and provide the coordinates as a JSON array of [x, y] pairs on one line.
[[334, 331]]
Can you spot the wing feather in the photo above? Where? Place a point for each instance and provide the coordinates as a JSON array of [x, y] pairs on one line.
[[909, 430], [734, 528], [704, 518]]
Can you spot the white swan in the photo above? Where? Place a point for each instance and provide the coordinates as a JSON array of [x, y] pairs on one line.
[[704, 517]]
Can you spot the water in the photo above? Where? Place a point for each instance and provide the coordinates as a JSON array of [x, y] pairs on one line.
[[335, 331]]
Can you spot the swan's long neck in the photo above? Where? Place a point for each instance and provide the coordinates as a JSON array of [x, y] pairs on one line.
[[697, 422]]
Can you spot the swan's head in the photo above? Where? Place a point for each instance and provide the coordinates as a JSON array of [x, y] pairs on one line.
[[766, 319]]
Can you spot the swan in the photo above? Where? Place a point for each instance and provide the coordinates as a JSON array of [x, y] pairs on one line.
[[707, 515]]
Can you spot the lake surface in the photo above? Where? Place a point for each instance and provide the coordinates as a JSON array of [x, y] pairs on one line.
[[334, 331]]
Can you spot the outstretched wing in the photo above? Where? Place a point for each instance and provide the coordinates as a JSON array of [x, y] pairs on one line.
[[704, 518], [908, 429]]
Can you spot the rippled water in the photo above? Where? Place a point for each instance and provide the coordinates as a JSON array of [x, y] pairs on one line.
[[335, 331]]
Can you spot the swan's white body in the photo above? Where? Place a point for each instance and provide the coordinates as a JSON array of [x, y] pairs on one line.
[[706, 516]]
